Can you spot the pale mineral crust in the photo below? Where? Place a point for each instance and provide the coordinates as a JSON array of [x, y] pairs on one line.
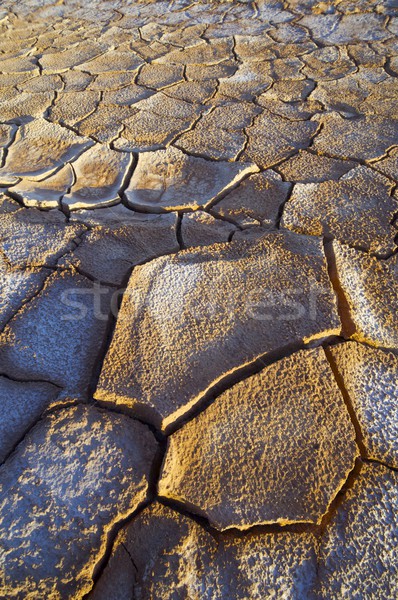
[[100, 175], [22, 404], [225, 305], [370, 287], [369, 376], [162, 542], [290, 474], [58, 334], [359, 547], [75, 475], [39, 149]]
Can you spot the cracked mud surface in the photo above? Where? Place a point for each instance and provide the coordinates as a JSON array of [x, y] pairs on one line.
[[198, 299]]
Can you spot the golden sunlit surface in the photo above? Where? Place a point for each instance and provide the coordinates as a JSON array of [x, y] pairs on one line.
[[198, 300]]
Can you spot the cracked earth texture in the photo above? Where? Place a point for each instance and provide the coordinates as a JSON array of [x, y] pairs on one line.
[[198, 300]]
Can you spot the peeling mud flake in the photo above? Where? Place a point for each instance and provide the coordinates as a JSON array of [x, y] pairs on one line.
[[57, 62], [39, 149], [164, 554], [257, 200], [77, 473], [47, 193], [16, 288], [33, 238], [289, 475], [100, 174], [306, 167], [171, 180], [357, 139], [190, 320], [273, 138], [388, 165]]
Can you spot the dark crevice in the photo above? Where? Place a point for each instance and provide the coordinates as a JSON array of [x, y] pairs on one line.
[[111, 535], [30, 380], [282, 206], [340, 496], [179, 237], [270, 528], [238, 375], [376, 461], [343, 306], [348, 402]]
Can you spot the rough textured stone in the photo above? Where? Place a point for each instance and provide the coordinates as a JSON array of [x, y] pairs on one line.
[[201, 229], [100, 175], [171, 180], [257, 200], [357, 210], [370, 378], [76, 474], [299, 446], [47, 193], [359, 547], [174, 557], [371, 287], [191, 319], [21, 405], [108, 253], [39, 148], [57, 336]]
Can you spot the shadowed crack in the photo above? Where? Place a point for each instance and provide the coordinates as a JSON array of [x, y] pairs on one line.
[[349, 327]]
